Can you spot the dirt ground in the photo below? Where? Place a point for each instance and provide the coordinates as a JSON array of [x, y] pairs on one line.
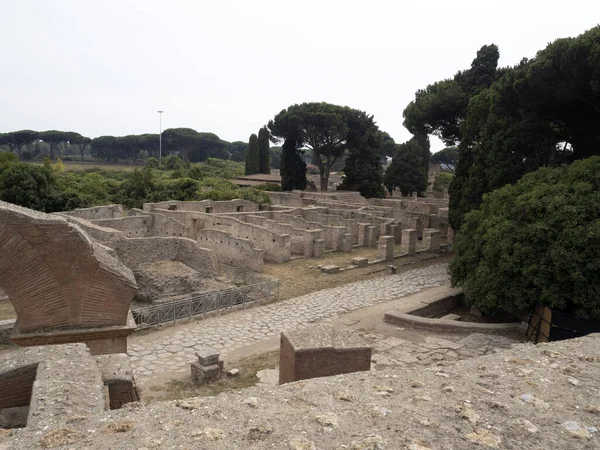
[[302, 276]]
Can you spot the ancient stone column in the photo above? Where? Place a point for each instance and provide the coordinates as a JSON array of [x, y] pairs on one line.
[[371, 236], [347, 243], [386, 248], [409, 241], [362, 234], [432, 239]]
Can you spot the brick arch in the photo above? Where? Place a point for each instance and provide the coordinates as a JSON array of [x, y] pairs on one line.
[[29, 284], [56, 277]]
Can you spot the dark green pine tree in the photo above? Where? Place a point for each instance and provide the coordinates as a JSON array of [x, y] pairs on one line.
[[362, 169], [407, 171], [292, 167], [263, 151], [252, 157]]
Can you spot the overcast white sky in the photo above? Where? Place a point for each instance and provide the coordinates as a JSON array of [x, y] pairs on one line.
[[228, 66]]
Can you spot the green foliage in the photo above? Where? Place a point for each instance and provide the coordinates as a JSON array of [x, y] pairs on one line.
[[238, 151], [6, 159], [407, 171], [263, 151], [253, 156], [27, 185], [362, 169], [272, 187], [542, 112], [446, 158], [535, 242], [172, 162], [441, 107], [275, 157], [153, 163], [442, 181], [293, 167]]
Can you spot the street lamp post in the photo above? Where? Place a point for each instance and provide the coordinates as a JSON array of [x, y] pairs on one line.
[[160, 135]]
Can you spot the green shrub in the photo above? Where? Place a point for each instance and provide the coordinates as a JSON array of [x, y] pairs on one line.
[[535, 242]]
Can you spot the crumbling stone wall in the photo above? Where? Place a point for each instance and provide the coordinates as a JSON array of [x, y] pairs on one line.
[[145, 226], [231, 250], [97, 212], [214, 207]]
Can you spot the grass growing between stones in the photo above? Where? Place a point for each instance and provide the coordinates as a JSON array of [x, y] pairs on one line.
[[188, 387]]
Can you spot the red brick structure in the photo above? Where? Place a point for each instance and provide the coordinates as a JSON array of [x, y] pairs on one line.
[[321, 351], [63, 286]]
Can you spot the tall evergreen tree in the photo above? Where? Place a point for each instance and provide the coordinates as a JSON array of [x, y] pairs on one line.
[[363, 166], [264, 162], [252, 157], [407, 170], [292, 167]]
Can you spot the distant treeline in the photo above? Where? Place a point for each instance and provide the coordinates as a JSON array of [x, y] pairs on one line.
[[186, 143]]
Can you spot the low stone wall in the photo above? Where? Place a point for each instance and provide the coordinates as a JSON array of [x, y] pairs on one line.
[[136, 251], [97, 212], [231, 250], [204, 206], [278, 247], [145, 226]]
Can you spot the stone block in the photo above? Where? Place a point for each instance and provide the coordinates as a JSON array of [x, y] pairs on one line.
[[450, 317], [386, 248], [319, 248], [320, 351], [371, 236], [432, 239], [330, 269], [347, 243], [363, 238], [205, 373], [207, 356], [409, 241], [360, 262]]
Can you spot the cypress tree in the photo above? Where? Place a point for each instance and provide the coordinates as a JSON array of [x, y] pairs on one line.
[[292, 168], [252, 157], [263, 151]]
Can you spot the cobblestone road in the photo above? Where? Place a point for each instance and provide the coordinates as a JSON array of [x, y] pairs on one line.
[[155, 354]]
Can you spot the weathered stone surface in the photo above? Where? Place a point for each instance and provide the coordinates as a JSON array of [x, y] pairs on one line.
[[360, 262], [207, 356], [304, 415], [330, 269]]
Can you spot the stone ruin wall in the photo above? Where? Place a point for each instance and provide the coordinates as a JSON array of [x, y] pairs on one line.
[[216, 207], [145, 226], [231, 250], [97, 212], [278, 248]]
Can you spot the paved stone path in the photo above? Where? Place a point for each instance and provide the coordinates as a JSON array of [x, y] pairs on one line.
[[156, 354]]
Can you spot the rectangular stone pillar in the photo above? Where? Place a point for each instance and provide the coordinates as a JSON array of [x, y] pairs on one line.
[[371, 236], [386, 248], [363, 239], [398, 233], [434, 222], [383, 229], [319, 248], [432, 239], [337, 235], [347, 243], [419, 226], [409, 241]]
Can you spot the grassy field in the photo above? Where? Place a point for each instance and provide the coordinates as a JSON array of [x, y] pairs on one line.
[[86, 165]]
